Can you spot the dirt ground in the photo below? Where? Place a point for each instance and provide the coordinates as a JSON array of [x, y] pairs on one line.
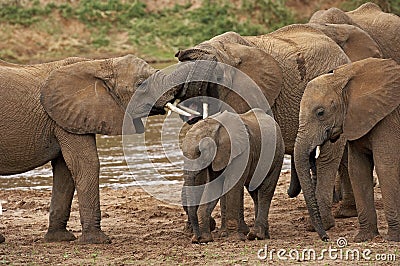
[[145, 231]]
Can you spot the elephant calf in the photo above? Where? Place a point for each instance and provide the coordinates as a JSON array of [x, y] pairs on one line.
[[223, 153]]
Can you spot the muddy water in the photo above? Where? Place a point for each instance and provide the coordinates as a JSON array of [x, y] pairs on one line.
[[151, 161]]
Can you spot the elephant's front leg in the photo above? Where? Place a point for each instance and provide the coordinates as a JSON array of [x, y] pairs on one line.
[[360, 170], [80, 155], [61, 199], [347, 207]]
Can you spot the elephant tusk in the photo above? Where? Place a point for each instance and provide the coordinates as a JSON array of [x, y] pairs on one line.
[[175, 109], [205, 110], [317, 152], [190, 111]]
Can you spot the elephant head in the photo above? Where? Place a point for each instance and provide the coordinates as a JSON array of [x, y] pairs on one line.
[[200, 75], [384, 28], [91, 96], [349, 101], [355, 42]]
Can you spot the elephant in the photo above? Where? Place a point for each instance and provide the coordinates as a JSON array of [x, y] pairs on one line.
[[51, 112], [281, 63], [360, 101], [226, 149], [383, 27]]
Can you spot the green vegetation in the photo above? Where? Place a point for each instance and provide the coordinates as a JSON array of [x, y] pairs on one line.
[[392, 6], [121, 26]]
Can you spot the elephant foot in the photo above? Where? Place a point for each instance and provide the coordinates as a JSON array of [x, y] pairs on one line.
[[365, 235], [258, 233], [233, 235], [93, 237], [327, 223], [393, 235], [188, 228], [59, 235], [243, 228], [204, 238], [2, 239], [346, 211]]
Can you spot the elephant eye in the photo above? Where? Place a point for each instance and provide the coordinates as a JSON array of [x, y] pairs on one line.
[[320, 112], [140, 82]]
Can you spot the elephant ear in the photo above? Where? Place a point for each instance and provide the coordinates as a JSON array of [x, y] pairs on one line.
[[77, 98], [355, 42], [232, 140], [261, 67], [372, 92]]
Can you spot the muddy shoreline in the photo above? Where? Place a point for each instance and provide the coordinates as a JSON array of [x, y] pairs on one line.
[[146, 231]]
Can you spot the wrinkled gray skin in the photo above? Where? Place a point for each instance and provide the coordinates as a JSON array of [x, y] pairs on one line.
[[384, 28], [361, 101], [259, 129], [281, 63], [51, 112]]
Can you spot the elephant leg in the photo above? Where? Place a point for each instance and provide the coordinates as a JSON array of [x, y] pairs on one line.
[[80, 155], [234, 199], [347, 207], [386, 166], [264, 194], [61, 199], [361, 177], [206, 221]]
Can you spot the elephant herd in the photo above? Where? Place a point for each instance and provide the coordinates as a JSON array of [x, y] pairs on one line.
[[332, 85]]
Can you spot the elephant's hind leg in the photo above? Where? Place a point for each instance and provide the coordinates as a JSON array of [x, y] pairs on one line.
[[388, 171], [61, 199]]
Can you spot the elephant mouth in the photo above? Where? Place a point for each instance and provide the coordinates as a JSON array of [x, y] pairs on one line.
[[335, 135], [313, 159]]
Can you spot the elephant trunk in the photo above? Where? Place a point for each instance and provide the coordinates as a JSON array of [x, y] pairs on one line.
[[304, 156], [294, 187]]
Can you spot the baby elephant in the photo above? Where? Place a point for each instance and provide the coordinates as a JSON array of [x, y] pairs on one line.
[[223, 153]]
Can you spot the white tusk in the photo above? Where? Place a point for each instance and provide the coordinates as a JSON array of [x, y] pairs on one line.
[[317, 152], [175, 109], [190, 111], [176, 102], [205, 110]]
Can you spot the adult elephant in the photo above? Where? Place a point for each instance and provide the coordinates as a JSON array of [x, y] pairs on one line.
[[301, 54], [51, 112], [361, 101], [383, 27]]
